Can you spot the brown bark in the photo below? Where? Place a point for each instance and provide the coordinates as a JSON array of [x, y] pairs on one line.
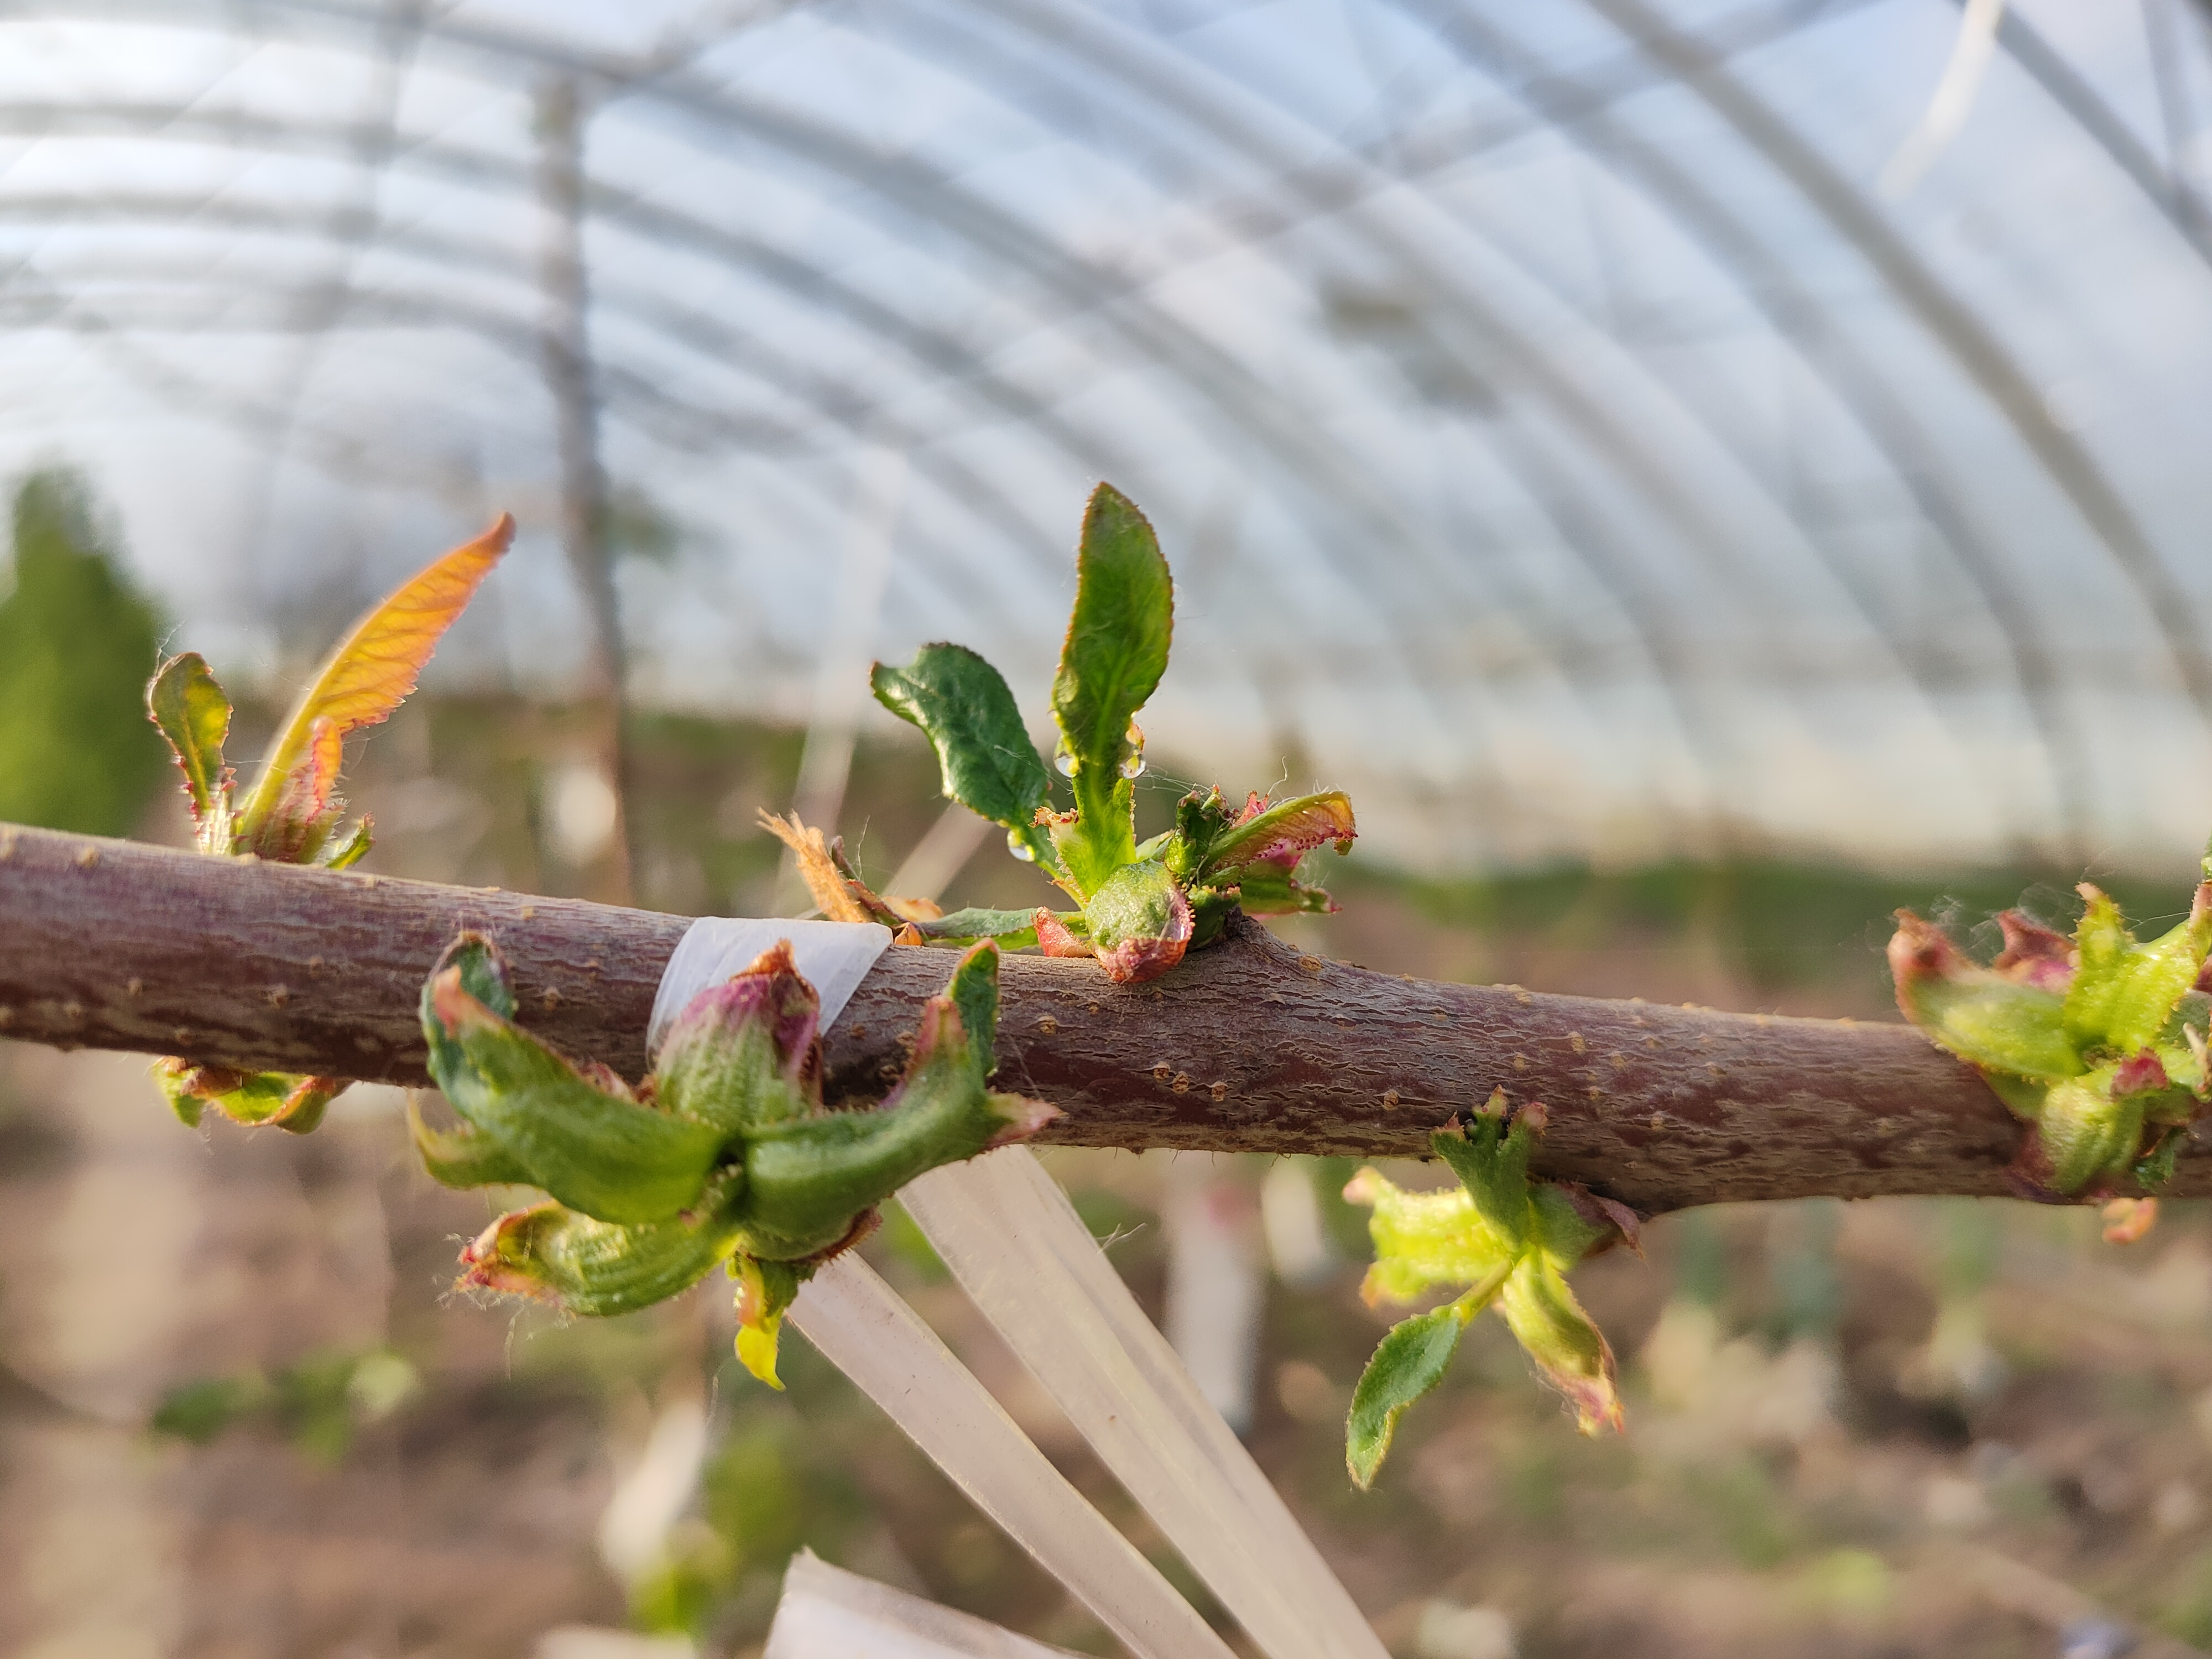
[[1248, 1046]]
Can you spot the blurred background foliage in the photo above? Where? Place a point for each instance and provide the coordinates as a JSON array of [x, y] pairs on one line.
[[77, 643]]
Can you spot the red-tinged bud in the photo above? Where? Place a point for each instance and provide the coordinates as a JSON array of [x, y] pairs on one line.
[[499, 1258], [2142, 1074], [2034, 954], [1535, 1117], [1140, 923], [1024, 1118], [1054, 937], [2127, 1220], [744, 1053], [1921, 951], [1366, 1187], [1608, 1215], [1134, 960]]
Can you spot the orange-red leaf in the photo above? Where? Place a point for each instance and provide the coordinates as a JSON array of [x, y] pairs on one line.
[[375, 666]]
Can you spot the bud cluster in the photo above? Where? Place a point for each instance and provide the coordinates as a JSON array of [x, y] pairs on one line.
[[2098, 1041], [725, 1155], [1511, 1239]]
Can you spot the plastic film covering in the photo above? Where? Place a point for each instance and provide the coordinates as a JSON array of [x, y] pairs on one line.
[[1575, 430]]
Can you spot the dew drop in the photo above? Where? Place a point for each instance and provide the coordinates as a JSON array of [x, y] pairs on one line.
[[1132, 752], [1064, 758], [1020, 849]]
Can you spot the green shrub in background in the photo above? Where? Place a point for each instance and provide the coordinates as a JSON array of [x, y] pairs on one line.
[[76, 642]]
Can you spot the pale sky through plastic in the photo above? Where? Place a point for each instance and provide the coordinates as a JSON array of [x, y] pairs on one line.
[[1559, 440]]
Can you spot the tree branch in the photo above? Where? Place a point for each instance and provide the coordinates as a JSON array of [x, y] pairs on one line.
[[1248, 1046]]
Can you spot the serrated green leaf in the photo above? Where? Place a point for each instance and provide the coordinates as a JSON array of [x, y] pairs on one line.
[[2154, 979], [1562, 1340], [1115, 651], [1012, 928], [190, 711], [463, 1157], [342, 852], [2086, 1134], [984, 755], [597, 1267], [1993, 1022], [1283, 833], [2102, 944], [1492, 1162], [612, 1158], [1411, 1359], [1425, 1239]]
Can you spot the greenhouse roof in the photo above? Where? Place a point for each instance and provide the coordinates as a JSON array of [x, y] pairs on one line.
[[1616, 430]]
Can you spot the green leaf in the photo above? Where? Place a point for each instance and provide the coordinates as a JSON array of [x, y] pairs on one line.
[[1560, 1338], [1267, 889], [1115, 651], [344, 853], [983, 751], [463, 1157], [189, 709], [1981, 1016], [284, 1100], [806, 1181], [597, 1267], [2085, 1133], [1492, 1162], [2153, 980], [965, 926], [974, 992], [608, 1156], [1411, 1359]]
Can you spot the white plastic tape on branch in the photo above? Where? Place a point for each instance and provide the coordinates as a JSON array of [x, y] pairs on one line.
[[1018, 1248]]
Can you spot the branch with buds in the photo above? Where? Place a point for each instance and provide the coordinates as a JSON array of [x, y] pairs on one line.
[[270, 972]]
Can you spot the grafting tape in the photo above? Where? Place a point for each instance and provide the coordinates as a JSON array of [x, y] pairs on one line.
[[834, 956]]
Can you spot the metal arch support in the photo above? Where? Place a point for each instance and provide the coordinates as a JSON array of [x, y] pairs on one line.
[[2022, 43], [1309, 464], [1109, 53], [1768, 284], [648, 403], [633, 396], [1952, 324]]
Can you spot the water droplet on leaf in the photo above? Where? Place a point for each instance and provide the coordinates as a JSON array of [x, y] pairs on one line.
[[1132, 752], [1064, 758], [1020, 849]]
